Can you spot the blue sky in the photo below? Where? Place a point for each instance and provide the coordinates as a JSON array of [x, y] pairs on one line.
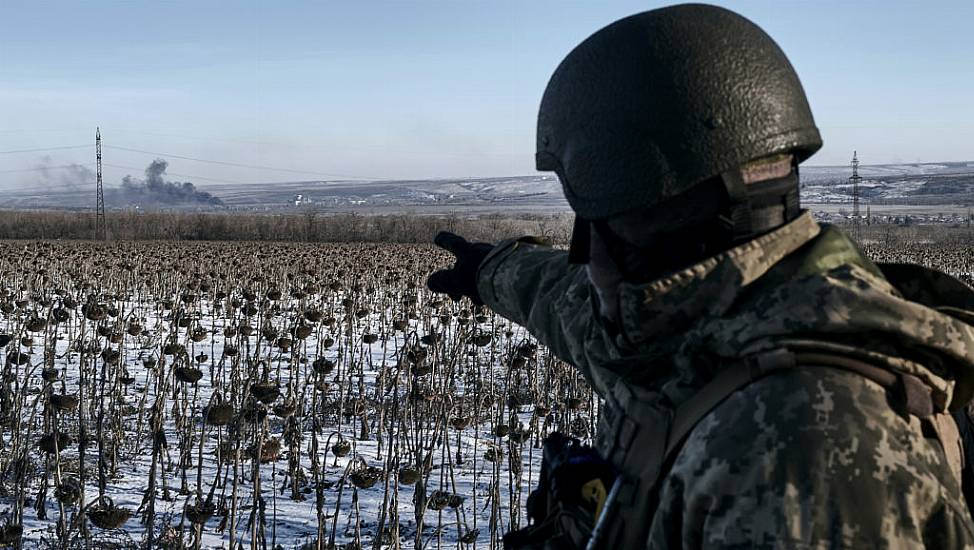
[[425, 88]]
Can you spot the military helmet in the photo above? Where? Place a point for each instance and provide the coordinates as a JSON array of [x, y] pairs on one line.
[[655, 103]]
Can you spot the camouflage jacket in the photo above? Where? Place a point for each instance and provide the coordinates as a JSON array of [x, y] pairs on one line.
[[815, 458]]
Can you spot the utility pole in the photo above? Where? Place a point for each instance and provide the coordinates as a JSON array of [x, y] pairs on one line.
[[101, 229], [855, 180]]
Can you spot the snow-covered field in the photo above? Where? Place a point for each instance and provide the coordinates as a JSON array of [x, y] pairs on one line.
[[395, 407], [382, 415]]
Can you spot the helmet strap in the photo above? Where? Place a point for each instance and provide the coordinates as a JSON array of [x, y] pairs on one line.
[[735, 219], [758, 207], [748, 210], [580, 249]]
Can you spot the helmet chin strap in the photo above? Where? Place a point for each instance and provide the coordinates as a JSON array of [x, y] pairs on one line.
[[580, 249], [750, 210], [758, 207]]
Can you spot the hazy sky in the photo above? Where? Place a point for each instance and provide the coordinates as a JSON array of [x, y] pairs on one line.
[[409, 89]]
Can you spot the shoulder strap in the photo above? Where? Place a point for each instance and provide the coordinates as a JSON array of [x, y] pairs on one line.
[[914, 395], [727, 381], [634, 422]]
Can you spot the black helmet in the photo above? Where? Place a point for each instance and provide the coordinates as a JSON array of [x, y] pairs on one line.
[[658, 102]]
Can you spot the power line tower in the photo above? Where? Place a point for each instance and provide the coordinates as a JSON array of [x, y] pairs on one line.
[[855, 180], [101, 229]]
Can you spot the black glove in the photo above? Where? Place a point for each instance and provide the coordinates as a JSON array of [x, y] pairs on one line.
[[461, 280]]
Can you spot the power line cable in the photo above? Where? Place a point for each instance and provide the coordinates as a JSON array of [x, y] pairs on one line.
[[84, 183], [123, 167], [43, 168], [168, 173], [38, 130], [237, 164], [58, 188], [182, 157], [192, 138], [39, 149]]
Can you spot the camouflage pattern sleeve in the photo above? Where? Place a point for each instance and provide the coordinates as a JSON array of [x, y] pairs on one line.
[[534, 286]]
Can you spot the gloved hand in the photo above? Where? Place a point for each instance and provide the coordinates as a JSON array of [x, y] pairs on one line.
[[461, 279]]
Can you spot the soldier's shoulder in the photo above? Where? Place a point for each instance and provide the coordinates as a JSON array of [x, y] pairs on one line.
[[774, 449], [932, 288]]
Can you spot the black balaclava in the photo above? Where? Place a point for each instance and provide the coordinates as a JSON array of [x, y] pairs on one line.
[[642, 246]]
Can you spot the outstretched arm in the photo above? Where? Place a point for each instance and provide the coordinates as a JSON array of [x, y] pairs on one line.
[[534, 286]]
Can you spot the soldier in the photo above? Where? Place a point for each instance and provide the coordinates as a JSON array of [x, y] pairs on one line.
[[765, 383]]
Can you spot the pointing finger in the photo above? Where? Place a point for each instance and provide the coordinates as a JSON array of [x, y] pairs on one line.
[[451, 242]]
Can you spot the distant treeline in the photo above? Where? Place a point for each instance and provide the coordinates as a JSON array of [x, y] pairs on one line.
[[357, 227], [304, 227], [960, 235]]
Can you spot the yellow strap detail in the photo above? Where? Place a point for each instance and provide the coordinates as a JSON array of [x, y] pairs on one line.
[[594, 492]]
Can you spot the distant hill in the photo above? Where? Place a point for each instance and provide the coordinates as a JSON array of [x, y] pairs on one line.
[[904, 184]]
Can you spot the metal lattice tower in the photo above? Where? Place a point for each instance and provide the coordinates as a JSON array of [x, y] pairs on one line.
[[855, 180], [101, 229]]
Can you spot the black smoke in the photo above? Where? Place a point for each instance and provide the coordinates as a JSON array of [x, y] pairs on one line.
[[154, 190]]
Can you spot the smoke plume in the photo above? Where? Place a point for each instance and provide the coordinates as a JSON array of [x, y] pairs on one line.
[[154, 190], [65, 177]]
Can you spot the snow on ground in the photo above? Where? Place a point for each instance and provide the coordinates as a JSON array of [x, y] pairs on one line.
[[493, 493]]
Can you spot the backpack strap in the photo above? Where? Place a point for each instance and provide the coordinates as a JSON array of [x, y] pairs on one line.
[[914, 396], [634, 427], [727, 381]]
